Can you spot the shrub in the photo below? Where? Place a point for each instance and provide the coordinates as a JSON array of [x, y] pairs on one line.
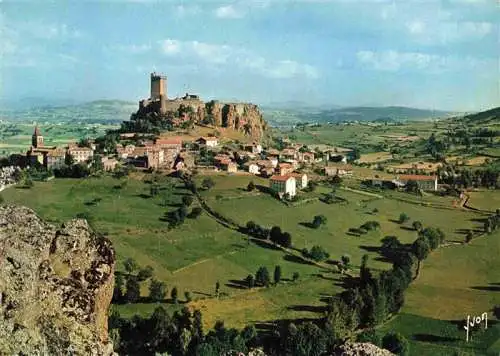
[[207, 183], [295, 276], [195, 212], [145, 273], [317, 253], [250, 186], [188, 296], [187, 200], [370, 225], [157, 290], [396, 343], [318, 220], [403, 218]]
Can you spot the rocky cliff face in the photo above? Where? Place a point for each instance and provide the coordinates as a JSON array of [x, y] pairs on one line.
[[55, 286], [361, 349], [243, 117]]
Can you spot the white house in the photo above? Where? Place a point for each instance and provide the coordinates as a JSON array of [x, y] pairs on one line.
[[423, 182], [301, 179], [253, 168], [208, 141], [283, 185], [273, 160]]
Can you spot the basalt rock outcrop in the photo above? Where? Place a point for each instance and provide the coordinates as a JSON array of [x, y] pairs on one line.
[[244, 117], [56, 286], [361, 349]]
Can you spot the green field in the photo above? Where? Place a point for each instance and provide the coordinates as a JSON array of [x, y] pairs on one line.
[[455, 281], [200, 252], [488, 200], [15, 137]]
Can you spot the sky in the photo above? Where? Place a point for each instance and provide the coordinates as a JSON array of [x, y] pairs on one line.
[[435, 54]]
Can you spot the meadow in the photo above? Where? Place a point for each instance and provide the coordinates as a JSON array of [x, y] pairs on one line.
[[15, 136], [454, 280]]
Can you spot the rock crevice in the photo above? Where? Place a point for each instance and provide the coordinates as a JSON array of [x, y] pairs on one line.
[[56, 286]]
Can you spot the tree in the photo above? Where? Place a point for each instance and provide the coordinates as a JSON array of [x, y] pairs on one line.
[[133, 292], [396, 343], [157, 290], [318, 253], [69, 160], [187, 200], [318, 220], [195, 212], [434, 237], [403, 218], [417, 225], [174, 294], [250, 281], [275, 234], [346, 260], [118, 289], [145, 273], [390, 247], [306, 340], [421, 248], [295, 276], [251, 186], [130, 265], [207, 183], [277, 274], [286, 239], [262, 277], [412, 186], [468, 236], [217, 289]]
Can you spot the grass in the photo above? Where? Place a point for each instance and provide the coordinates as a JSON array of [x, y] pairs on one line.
[[485, 200], [455, 281], [201, 252], [429, 336]]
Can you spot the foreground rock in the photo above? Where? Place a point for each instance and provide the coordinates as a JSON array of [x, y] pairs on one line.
[[361, 349], [55, 286]]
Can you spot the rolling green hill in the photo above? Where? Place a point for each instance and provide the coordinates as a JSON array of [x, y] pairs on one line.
[[101, 111], [293, 115]]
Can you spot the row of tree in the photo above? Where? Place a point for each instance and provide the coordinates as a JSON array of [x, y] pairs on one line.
[[275, 234], [180, 334]]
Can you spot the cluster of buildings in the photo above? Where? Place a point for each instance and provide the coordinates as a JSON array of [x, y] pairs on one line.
[[53, 156], [155, 154], [426, 183]]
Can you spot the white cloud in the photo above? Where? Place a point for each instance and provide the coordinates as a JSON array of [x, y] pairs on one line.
[[447, 32], [393, 61], [216, 55], [170, 46], [228, 12], [240, 9], [282, 69], [133, 48], [185, 11], [212, 53]]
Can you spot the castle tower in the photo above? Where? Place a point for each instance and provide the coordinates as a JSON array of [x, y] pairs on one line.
[[37, 138], [158, 86]]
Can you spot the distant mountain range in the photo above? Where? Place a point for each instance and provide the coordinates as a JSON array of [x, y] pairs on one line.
[[100, 111], [484, 117], [279, 116]]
